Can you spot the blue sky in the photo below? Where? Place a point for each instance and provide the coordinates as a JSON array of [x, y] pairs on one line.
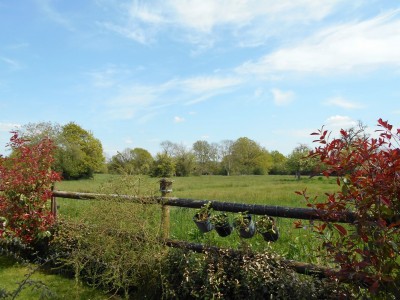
[[136, 73]]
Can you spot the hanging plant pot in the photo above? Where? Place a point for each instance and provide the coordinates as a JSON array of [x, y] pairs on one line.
[[245, 225], [203, 225], [202, 218], [224, 230], [221, 224], [266, 226]]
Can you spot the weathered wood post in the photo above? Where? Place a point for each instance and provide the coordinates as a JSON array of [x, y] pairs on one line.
[[165, 189], [53, 203]]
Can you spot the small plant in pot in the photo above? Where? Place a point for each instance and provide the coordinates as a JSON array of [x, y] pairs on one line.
[[244, 223], [203, 218], [221, 224], [266, 226]]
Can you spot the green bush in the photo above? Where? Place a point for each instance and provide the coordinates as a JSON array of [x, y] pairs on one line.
[[115, 246], [227, 275]]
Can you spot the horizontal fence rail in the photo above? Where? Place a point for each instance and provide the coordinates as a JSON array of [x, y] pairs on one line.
[[257, 209]]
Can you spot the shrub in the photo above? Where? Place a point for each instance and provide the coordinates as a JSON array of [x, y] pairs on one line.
[[227, 275], [367, 171], [25, 181], [116, 245]]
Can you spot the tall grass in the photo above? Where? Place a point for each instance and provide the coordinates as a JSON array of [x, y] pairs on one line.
[[298, 244]]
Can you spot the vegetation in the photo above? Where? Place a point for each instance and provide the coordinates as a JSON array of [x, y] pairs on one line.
[[78, 153], [26, 179], [367, 171], [116, 244]]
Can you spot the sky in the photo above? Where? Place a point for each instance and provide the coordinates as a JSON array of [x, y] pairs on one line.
[[136, 73]]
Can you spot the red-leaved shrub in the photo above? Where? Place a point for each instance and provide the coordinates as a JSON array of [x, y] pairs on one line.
[[25, 189], [368, 174]]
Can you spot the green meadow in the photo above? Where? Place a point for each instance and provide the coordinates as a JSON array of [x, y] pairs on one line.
[[297, 244]]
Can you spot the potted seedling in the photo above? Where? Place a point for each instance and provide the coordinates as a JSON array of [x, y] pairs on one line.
[[244, 223], [202, 218], [221, 224], [267, 228]]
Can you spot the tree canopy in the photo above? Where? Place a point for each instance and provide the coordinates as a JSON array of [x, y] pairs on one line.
[[78, 155]]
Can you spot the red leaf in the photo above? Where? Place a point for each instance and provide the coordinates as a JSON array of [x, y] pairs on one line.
[[341, 229]]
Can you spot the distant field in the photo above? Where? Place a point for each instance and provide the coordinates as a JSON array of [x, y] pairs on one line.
[[293, 243]]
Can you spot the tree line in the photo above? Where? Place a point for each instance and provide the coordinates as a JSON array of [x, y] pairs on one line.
[[79, 155]]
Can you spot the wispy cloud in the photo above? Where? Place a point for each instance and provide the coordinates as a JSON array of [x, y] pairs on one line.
[[204, 84], [7, 127], [135, 99], [337, 122], [282, 97], [343, 103], [11, 63], [108, 77], [201, 22], [178, 119], [51, 13], [366, 44]]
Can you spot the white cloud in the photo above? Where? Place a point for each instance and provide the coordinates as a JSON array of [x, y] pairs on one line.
[[178, 119], [107, 77], [197, 21], [340, 122], [281, 97], [53, 14], [345, 47], [211, 83], [138, 100], [7, 127], [13, 64], [343, 103]]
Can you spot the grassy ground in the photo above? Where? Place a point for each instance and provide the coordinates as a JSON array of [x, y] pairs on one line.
[[12, 273], [297, 244], [270, 190]]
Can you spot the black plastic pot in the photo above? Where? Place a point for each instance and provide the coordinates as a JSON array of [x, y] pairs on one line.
[[224, 230], [248, 231], [204, 226], [270, 236]]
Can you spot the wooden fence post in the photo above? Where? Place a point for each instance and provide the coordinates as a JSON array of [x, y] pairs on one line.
[[53, 203], [165, 189]]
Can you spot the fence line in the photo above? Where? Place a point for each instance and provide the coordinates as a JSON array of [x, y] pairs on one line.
[[257, 209]]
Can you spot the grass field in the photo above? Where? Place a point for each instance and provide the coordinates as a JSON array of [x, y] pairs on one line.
[[12, 273], [297, 244]]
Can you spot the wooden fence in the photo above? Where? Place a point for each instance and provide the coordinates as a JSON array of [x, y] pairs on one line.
[[256, 209]]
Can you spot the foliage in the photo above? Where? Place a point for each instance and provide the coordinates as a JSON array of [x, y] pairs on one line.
[[220, 219], [78, 154], [242, 220], [278, 163], [81, 154], [116, 244], [204, 212], [367, 171], [225, 150], [298, 162], [250, 158], [266, 224], [206, 157], [226, 275], [163, 166], [135, 161], [25, 179]]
